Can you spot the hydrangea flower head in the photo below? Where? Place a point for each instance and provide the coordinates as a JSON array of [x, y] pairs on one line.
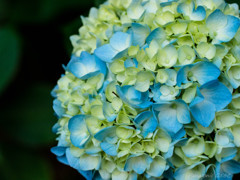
[[152, 91]]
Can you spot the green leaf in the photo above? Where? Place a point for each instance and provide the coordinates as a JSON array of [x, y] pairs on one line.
[[9, 55], [29, 118]]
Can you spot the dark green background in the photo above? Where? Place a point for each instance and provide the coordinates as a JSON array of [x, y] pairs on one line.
[[34, 43]]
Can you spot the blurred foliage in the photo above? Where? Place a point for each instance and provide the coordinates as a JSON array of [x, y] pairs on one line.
[[9, 55], [98, 2], [33, 118], [18, 163], [68, 30], [34, 42], [40, 11]]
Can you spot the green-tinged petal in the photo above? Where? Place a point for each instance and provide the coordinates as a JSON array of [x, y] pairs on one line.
[[79, 131], [224, 119], [233, 75], [109, 112], [157, 167], [96, 81], [110, 91], [179, 28], [97, 112], [236, 101], [135, 10], [117, 66], [138, 163], [133, 50], [119, 175], [104, 174], [167, 56], [162, 140], [123, 118], [187, 172], [164, 18], [93, 124], [149, 146], [186, 55], [224, 137], [206, 50], [194, 147], [136, 148], [124, 132], [108, 165], [162, 76], [210, 148], [76, 152], [200, 130], [89, 162], [144, 79], [236, 134], [210, 172], [189, 94]]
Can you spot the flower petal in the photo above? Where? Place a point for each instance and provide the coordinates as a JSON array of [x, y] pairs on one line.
[[119, 175], [86, 66], [140, 33], [79, 134], [157, 167], [106, 132], [205, 72], [162, 140], [188, 9], [58, 109], [58, 150], [106, 53], [232, 167], [130, 63], [89, 162], [121, 41], [203, 112], [198, 14], [167, 56], [194, 147], [167, 118], [216, 93], [73, 161], [216, 20], [138, 163], [109, 112], [134, 98], [147, 122], [76, 164], [183, 114], [223, 137], [223, 27], [186, 172], [157, 34], [227, 33], [108, 148], [182, 75], [135, 10], [233, 75], [224, 119]]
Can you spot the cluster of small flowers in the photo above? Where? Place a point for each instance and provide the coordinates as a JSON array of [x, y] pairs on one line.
[[152, 91]]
